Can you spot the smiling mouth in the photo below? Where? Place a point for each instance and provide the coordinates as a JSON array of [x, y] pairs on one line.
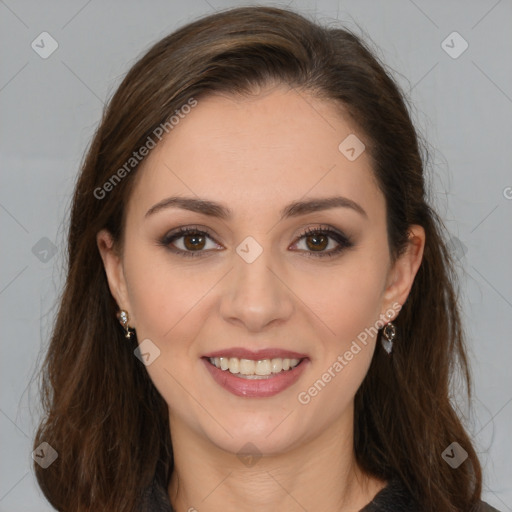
[[251, 369]]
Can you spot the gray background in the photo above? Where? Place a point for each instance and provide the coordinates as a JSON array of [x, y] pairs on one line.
[[50, 108]]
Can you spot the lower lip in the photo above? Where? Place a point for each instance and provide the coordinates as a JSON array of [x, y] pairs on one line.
[[251, 388]]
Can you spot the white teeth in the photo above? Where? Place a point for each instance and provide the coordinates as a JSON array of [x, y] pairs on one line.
[[233, 365], [247, 368], [277, 365], [263, 367]]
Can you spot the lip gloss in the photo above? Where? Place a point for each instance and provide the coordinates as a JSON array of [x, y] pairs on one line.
[[256, 388]]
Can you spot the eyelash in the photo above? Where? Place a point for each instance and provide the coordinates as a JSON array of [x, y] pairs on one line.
[[343, 241]]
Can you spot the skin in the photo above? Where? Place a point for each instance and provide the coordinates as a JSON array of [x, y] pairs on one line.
[[255, 154]]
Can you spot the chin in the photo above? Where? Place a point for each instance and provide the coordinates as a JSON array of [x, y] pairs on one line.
[[264, 431]]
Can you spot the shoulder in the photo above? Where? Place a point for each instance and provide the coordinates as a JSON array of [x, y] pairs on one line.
[[395, 498], [155, 498], [484, 507], [392, 498]]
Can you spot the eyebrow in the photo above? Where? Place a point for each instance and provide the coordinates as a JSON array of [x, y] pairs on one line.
[[294, 209]]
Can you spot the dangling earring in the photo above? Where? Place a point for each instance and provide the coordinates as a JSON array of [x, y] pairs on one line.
[[388, 336], [123, 318]]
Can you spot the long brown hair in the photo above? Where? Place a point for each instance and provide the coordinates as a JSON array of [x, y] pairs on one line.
[[104, 416]]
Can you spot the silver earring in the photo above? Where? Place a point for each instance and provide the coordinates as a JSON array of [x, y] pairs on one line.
[[388, 337], [123, 318]]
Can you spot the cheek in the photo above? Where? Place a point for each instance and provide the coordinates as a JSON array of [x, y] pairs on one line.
[[170, 303], [350, 307], [343, 299], [347, 299], [166, 300], [162, 294]]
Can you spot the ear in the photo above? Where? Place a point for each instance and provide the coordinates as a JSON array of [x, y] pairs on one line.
[[114, 270], [401, 276]]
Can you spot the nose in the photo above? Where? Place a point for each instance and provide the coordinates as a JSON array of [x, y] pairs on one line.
[[255, 295]]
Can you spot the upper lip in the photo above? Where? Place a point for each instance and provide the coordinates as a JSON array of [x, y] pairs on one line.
[[258, 355]]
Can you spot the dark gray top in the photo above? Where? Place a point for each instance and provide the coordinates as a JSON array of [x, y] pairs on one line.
[[393, 498]]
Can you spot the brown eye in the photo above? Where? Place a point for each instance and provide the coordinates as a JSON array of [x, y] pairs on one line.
[[318, 241], [194, 241], [189, 241]]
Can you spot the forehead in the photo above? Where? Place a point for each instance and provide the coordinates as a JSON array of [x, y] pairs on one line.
[[258, 152]]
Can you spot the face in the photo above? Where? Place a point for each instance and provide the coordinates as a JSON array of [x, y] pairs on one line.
[[265, 282]]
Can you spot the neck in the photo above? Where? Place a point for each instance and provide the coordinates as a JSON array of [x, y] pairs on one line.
[[319, 475]]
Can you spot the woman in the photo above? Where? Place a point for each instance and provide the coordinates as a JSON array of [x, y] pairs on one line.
[[260, 309]]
